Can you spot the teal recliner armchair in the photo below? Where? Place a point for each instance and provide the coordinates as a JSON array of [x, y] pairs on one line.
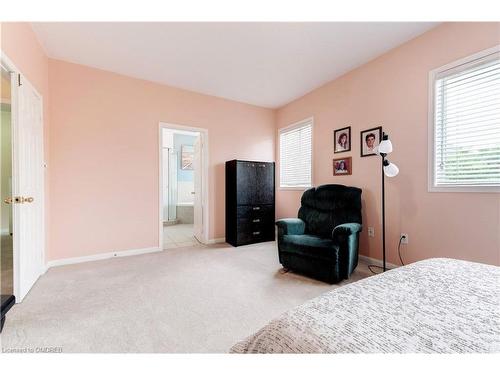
[[323, 241]]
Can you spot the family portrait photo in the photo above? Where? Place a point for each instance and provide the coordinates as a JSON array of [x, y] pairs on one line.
[[370, 139], [342, 166], [342, 140]]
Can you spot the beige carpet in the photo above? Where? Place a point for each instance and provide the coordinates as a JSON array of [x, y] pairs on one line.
[[198, 299]]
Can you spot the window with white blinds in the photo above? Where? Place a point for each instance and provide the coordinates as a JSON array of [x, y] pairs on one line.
[[296, 155], [466, 119]]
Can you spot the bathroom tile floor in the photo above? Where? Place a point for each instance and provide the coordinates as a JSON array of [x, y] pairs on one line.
[[179, 235]]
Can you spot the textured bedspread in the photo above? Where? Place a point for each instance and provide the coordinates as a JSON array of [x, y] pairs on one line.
[[432, 306]]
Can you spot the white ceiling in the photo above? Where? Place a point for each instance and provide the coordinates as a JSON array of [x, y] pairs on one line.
[[266, 64]]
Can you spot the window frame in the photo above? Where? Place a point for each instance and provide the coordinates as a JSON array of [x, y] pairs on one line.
[[297, 124], [431, 168]]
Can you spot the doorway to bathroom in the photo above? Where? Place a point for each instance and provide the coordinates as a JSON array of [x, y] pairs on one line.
[[183, 176]]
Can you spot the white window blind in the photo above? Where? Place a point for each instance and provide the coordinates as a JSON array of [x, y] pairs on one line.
[[467, 124], [296, 155]]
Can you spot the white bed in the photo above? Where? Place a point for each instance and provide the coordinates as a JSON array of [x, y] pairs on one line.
[[432, 306]]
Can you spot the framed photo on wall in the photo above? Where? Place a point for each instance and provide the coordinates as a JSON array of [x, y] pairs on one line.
[[342, 140], [342, 166], [370, 139]]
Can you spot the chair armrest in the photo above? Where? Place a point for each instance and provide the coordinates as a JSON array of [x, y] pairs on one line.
[[291, 226], [346, 236], [346, 229]]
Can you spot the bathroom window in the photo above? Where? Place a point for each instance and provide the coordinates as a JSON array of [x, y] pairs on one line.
[[296, 155], [464, 125]]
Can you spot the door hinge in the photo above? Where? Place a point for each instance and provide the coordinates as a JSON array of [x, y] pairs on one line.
[[19, 80]]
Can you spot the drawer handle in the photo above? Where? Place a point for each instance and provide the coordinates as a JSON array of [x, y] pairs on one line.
[[255, 208], [256, 233], [256, 220]]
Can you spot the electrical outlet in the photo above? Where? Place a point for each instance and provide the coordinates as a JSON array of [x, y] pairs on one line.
[[371, 232], [404, 238]]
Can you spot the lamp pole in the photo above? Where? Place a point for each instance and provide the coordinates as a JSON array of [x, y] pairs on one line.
[[383, 210], [391, 170]]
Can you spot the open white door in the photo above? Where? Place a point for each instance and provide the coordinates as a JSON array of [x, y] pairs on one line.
[[27, 186], [198, 189]]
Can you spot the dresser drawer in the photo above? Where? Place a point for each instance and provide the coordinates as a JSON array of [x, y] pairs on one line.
[[254, 230], [254, 224], [256, 211], [250, 237]]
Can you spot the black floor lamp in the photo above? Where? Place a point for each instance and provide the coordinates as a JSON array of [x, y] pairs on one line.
[[390, 170]]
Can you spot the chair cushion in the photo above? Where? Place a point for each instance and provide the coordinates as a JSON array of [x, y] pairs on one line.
[[309, 246]]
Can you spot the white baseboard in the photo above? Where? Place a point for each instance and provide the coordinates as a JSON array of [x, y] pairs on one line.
[[115, 254], [91, 258], [376, 262], [215, 241]]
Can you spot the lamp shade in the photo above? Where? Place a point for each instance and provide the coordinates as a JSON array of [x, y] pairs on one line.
[[391, 170], [385, 147]]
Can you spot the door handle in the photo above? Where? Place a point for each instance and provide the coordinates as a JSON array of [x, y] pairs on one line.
[[18, 200]]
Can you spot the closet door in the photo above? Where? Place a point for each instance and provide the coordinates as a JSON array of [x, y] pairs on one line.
[[245, 182], [265, 183]]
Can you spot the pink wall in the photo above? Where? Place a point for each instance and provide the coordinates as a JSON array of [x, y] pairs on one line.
[[392, 91], [103, 162], [104, 155], [19, 43]]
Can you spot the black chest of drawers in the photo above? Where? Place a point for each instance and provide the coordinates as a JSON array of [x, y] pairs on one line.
[[250, 193]]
